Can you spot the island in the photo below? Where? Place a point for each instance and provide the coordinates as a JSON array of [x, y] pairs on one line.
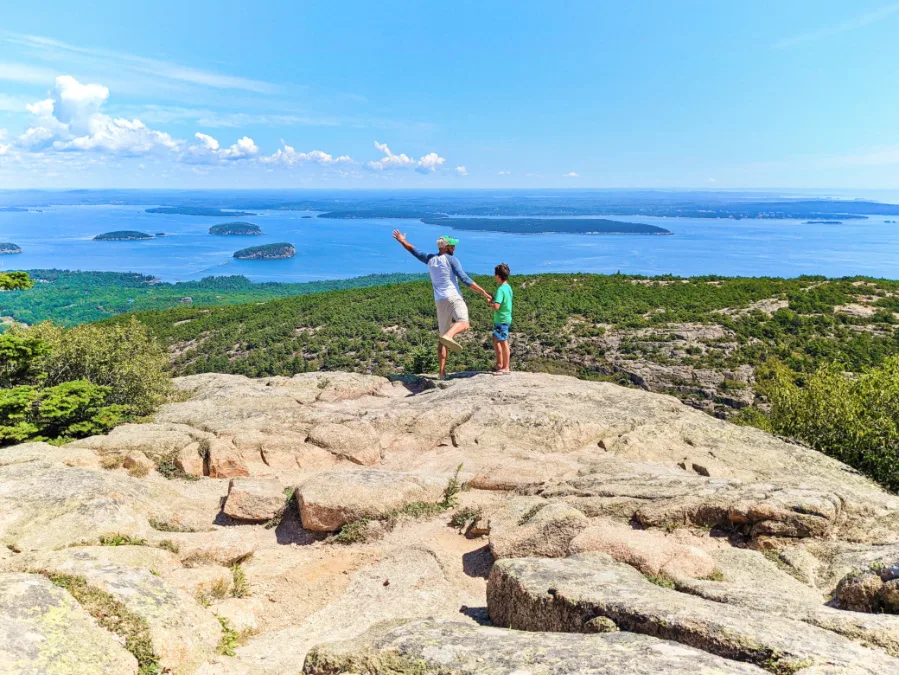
[[10, 248], [123, 235], [823, 222], [267, 252], [198, 211], [237, 227], [12, 209], [305, 217], [547, 225], [160, 234]]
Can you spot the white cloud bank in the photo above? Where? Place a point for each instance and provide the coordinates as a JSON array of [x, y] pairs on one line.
[[461, 170], [427, 164], [72, 120], [288, 156]]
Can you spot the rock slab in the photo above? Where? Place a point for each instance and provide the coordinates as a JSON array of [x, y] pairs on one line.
[[331, 499], [439, 647], [44, 630], [566, 594]]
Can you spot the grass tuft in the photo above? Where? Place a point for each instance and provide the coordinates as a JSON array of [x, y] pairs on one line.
[[239, 588], [462, 517], [662, 580], [121, 540]]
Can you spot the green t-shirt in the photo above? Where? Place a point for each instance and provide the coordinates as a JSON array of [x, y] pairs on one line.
[[503, 296]]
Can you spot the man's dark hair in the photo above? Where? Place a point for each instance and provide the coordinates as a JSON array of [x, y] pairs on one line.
[[502, 271]]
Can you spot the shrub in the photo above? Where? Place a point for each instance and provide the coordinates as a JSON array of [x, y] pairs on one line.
[[422, 359], [852, 418], [15, 281], [19, 356], [68, 410], [121, 356]]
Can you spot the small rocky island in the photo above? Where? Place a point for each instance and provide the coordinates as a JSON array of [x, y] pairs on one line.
[[238, 228], [10, 248], [267, 252], [123, 235]]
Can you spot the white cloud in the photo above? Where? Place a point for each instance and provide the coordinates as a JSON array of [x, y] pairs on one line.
[[209, 143], [389, 160], [243, 149], [856, 22], [4, 148], [426, 164], [41, 108], [288, 156], [503, 173], [73, 102], [712, 180], [572, 174], [71, 120], [461, 170], [429, 163]]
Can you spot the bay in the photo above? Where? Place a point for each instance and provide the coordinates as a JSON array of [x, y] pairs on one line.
[[62, 237]]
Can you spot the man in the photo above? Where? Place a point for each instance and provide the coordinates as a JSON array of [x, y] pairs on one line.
[[452, 313]]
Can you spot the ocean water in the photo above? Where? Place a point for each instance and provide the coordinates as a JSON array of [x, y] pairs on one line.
[[61, 237]]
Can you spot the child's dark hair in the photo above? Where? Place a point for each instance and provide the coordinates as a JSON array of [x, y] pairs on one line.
[[502, 271]]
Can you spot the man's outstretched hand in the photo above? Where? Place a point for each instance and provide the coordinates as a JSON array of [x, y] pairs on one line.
[[399, 236]]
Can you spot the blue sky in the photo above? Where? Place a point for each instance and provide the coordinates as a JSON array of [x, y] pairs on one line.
[[458, 94]]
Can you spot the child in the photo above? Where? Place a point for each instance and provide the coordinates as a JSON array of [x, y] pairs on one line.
[[502, 318]]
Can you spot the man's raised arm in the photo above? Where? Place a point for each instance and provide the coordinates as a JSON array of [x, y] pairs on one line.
[[400, 237]]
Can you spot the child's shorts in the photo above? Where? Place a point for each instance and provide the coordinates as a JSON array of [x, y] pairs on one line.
[[501, 331]]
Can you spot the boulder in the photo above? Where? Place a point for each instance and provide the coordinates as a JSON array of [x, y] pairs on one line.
[[433, 646], [532, 526], [44, 630], [565, 594], [225, 460], [650, 552], [254, 499], [331, 499], [189, 459]]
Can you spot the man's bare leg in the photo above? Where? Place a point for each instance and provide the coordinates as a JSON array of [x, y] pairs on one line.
[[456, 328], [506, 355], [499, 354], [441, 359]]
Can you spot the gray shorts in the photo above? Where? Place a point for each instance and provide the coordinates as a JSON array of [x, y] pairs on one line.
[[450, 311]]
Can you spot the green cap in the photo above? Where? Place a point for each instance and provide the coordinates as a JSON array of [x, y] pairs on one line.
[[450, 241]]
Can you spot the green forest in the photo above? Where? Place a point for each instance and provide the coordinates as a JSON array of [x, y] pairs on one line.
[[70, 298], [558, 323]]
